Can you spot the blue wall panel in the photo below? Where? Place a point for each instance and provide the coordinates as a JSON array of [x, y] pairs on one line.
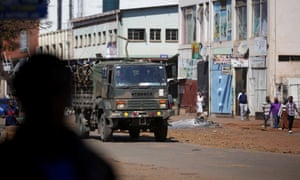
[[221, 90]]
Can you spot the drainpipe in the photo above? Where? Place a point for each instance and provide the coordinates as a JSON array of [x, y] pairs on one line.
[[210, 54], [275, 49]]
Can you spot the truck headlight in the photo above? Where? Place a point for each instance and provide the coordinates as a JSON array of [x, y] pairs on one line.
[[163, 104], [120, 104]]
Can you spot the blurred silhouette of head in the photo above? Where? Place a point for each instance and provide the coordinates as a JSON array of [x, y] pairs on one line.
[[43, 87]]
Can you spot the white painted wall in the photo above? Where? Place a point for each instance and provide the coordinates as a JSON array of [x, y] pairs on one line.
[[150, 49], [90, 51], [80, 8], [284, 39]]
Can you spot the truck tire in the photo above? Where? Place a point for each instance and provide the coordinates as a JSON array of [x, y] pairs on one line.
[[161, 130], [104, 131], [134, 132], [83, 131]]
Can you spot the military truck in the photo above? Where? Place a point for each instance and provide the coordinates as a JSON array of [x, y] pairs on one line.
[[121, 94]]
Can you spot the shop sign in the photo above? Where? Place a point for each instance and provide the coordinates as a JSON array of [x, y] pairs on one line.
[[258, 62], [239, 62], [226, 70]]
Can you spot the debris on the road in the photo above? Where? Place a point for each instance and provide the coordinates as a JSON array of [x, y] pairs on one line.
[[194, 123]]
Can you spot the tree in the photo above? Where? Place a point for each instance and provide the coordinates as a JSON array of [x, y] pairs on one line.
[[9, 32]]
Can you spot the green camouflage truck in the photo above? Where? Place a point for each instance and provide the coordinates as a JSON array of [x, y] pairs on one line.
[[120, 94]]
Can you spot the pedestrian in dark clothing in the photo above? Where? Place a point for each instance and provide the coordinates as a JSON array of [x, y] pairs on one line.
[[243, 101], [44, 147], [11, 112], [275, 106], [291, 109]]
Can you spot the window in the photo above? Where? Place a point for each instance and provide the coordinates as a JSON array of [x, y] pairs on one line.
[[111, 36], [259, 19], [94, 39], [103, 37], [136, 34], [286, 58], [115, 35], [155, 34], [222, 20], [189, 25], [241, 12], [23, 41], [99, 38], [80, 41], [171, 34], [89, 39], [85, 40], [76, 41]]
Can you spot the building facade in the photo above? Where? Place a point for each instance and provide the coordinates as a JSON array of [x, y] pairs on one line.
[[26, 44], [249, 45]]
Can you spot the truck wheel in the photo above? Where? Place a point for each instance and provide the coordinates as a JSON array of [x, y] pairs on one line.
[[134, 132], [82, 129], [104, 131], [161, 130]]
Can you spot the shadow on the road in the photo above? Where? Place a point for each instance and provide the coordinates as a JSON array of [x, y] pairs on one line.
[[120, 137]]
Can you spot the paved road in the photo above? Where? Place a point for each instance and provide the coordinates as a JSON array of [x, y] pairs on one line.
[[207, 162]]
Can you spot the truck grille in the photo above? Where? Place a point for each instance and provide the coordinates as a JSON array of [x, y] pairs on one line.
[[143, 104]]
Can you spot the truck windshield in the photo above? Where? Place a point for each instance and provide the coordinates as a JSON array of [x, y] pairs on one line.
[[140, 75]]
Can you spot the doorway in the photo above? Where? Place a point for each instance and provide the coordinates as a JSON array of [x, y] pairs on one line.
[[240, 84]]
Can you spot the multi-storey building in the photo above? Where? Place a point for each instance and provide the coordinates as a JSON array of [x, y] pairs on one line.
[[243, 44], [132, 28]]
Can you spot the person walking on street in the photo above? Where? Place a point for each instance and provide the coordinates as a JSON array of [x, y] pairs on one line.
[[199, 104], [291, 109], [275, 106], [243, 101], [266, 109], [282, 114], [11, 112]]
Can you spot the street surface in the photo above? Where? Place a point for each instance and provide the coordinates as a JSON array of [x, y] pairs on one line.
[[146, 159], [211, 163]]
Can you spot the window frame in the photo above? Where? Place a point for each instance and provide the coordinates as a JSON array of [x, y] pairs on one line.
[[241, 20], [23, 41], [155, 35], [222, 17], [259, 27], [170, 35], [139, 32], [189, 24]]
